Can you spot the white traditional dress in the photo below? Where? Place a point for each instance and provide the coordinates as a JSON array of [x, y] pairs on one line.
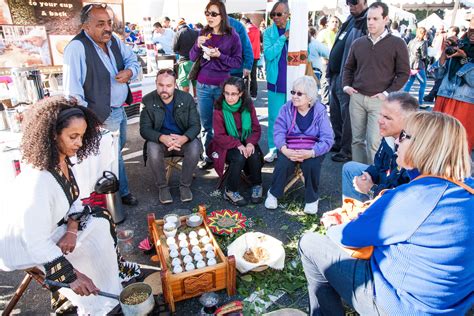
[[34, 219]]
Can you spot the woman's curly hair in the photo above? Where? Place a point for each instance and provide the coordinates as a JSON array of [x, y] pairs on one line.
[[38, 144]]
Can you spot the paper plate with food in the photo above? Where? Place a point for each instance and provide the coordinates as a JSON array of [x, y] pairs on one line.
[[255, 251]]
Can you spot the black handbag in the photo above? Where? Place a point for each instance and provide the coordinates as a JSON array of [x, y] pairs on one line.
[[193, 73]]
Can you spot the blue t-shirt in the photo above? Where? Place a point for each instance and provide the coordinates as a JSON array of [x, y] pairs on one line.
[[280, 85], [304, 122], [169, 124]]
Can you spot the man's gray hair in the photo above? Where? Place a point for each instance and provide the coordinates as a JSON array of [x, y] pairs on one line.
[[407, 102], [308, 85]]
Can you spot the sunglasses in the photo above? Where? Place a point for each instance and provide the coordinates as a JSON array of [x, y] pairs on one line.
[[403, 135], [168, 71], [87, 9], [278, 14], [94, 5], [298, 93], [211, 13]]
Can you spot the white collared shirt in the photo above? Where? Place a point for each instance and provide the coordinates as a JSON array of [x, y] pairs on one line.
[[378, 39]]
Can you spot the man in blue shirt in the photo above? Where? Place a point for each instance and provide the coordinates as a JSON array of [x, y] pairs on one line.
[[363, 182], [169, 122], [163, 37], [97, 69]]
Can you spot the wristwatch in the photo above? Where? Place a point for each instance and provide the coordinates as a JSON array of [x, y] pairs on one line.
[[371, 192]]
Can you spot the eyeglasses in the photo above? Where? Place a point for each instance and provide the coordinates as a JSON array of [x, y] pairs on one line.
[[211, 13], [278, 14], [86, 9], [168, 71], [403, 135], [231, 94], [298, 93]]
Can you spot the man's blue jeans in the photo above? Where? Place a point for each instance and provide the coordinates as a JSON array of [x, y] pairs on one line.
[[206, 96], [349, 171], [117, 121], [332, 275]]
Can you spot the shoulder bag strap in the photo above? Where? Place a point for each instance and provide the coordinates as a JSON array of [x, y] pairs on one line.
[[459, 183]]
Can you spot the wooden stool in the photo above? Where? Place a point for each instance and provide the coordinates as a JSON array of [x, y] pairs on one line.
[[172, 163], [298, 175], [33, 273]]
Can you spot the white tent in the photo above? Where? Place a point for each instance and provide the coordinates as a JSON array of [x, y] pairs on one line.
[[431, 20]]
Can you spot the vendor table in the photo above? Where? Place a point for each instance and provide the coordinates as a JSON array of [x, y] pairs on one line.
[[87, 172]]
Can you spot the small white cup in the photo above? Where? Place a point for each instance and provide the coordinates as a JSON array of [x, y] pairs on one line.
[[202, 232], [176, 262], [183, 243], [192, 235], [182, 236], [196, 249], [174, 253], [208, 247], [198, 257], [172, 247], [210, 255], [177, 269], [190, 266], [184, 251], [211, 262], [170, 241], [187, 259], [200, 264], [205, 240]]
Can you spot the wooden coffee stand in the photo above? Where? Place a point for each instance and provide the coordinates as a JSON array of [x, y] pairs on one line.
[[181, 286]]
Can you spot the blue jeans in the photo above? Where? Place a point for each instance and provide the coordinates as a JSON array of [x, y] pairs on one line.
[[206, 96], [117, 121], [350, 170], [421, 77], [285, 169], [332, 275]]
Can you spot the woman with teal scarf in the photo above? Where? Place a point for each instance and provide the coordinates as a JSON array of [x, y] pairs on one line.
[[236, 135]]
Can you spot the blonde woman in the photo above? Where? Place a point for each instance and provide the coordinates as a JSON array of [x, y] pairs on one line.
[[421, 232]]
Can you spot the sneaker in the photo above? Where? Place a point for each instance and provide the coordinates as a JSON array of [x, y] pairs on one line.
[[311, 208], [428, 98], [234, 198], [205, 165], [341, 157], [257, 194], [129, 199], [185, 194], [165, 196], [271, 202], [270, 156]]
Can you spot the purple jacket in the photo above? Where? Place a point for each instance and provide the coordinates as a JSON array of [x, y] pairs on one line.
[[321, 128], [216, 70]]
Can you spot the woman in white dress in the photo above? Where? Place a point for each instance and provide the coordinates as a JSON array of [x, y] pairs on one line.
[[44, 223]]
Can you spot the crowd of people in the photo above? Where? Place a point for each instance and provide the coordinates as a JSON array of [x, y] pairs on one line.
[[412, 168]]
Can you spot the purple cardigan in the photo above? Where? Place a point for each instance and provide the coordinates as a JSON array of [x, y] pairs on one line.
[[320, 127], [216, 70]]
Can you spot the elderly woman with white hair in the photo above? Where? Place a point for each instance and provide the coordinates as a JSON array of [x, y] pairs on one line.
[[303, 134]]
